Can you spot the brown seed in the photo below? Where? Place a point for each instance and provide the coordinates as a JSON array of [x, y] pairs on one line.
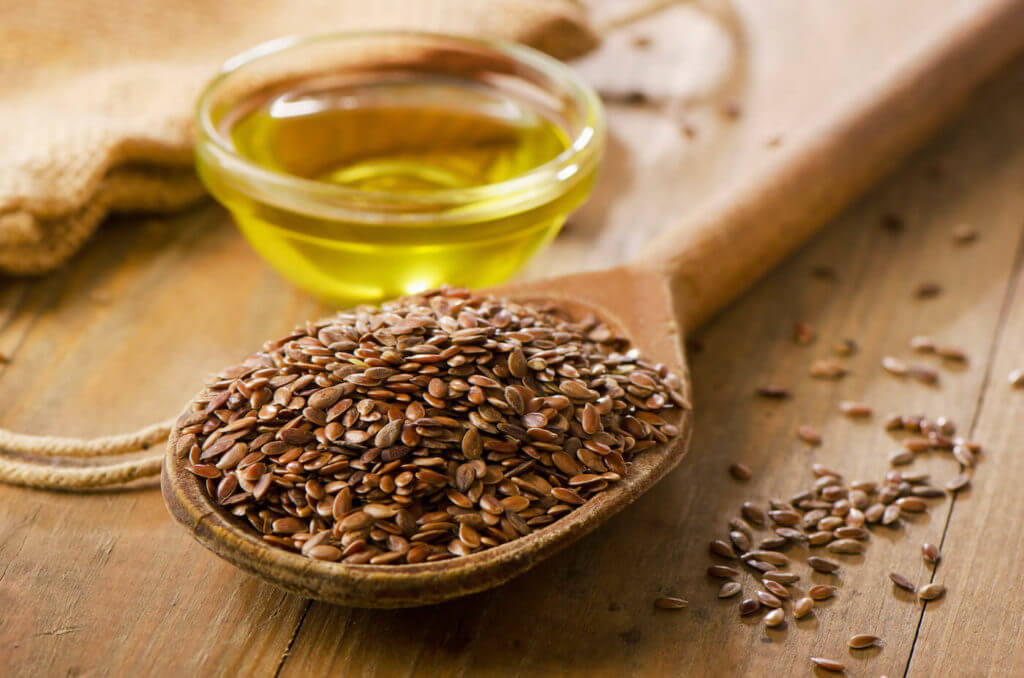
[[828, 369], [902, 581], [753, 513], [670, 603], [723, 572], [844, 347], [923, 344], [911, 504], [802, 607], [930, 552], [828, 664], [846, 546], [809, 435], [740, 471], [891, 514], [863, 640], [782, 577], [820, 538], [854, 409], [740, 540], [775, 588], [768, 600], [729, 589], [927, 290], [771, 543], [931, 591], [950, 353], [901, 457], [1016, 378], [822, 564], [821, 591], [803, 333], [773, 557], [784, 518], [873, 513], [851, 532], [773, 391], [964, 234], [893, 422], [749, 606], [774, 617], [721, 549], [923, 374], [790, 534]]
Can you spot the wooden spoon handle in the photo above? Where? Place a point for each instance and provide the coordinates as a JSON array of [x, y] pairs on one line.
[[714, 256]]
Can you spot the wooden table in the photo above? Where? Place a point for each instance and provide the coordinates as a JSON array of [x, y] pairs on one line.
[[106, 584]]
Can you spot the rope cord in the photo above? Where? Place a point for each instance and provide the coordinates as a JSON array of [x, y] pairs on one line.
[[59, 476]]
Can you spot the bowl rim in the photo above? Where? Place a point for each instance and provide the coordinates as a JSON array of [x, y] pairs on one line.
[[458, 205]]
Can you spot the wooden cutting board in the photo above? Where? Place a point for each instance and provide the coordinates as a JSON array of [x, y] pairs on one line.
[[107, 583]]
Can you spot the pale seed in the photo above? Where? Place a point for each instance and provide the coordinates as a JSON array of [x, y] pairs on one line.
[[854, 409], [768, 600], [803, 607], [774, 617], [846, 546], [931, 591]]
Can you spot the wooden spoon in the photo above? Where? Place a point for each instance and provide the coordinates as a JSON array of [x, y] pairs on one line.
[[679, 280]]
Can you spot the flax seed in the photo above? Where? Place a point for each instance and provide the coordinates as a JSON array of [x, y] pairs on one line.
[[670, 603], [931, 591], [902, 582]]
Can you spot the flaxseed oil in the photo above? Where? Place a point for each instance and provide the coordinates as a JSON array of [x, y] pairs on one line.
[[410, 137]]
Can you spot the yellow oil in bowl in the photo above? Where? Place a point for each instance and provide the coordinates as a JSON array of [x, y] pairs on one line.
[[375, 178]]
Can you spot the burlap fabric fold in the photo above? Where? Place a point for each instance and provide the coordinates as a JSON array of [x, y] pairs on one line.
[[96, 97]]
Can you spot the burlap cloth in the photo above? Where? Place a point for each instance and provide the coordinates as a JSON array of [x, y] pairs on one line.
[[96, 96]]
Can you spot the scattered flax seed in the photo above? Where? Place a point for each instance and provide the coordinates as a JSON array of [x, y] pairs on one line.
[[721, 549], [749, 606], [923, 374], [775, 617], [773, 391], [740, 471], [931, 591], [821, 591], [930, 552], [958, 483], [776, 589], [922, 344], [891, 514], [670, 603], [4, 358], [723, 572], [782, 577], [951, 353], [844, 347], [863, 640], [803, 607], [1016, 378], [901, 457], [894, 366], [928, 290], [855, 409], [964, 234], [828, 664], [809, 435], [822, 564], [729, 589], [768, 600], [828, 369], [804, 334], [902, 582], [846, 546], [892, 222], [753, 514], [731, 111]]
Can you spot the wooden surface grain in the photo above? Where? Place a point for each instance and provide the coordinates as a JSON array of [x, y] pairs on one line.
[[106, 584]]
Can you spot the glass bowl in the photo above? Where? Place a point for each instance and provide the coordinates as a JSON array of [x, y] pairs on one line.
[[355, 240]]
